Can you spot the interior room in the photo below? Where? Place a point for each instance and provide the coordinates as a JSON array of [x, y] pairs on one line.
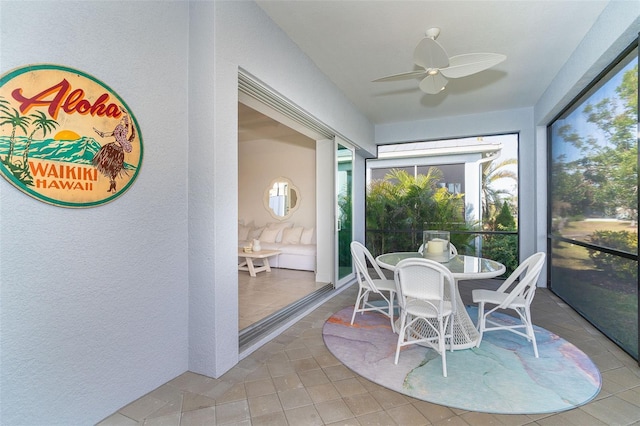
[[271, 153], [129, 311]]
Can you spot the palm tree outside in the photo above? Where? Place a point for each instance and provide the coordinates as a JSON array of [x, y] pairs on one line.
[[399, 207], [492, 198]]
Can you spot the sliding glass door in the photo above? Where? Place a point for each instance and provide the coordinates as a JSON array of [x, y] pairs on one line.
[[344, 213]]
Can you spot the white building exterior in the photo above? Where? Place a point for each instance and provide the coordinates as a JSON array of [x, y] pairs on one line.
[[460, 160]]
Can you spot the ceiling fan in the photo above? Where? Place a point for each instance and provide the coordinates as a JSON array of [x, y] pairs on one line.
[[437, 67]]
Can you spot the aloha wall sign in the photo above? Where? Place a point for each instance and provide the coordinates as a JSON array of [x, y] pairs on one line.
[[66, 138]]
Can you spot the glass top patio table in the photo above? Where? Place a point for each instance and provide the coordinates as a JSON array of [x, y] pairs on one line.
[[462, 267]]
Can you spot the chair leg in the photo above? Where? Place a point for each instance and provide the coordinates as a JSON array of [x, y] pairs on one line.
[[356, 308], [403, 319], [480, 325], [530, 332], [393, 327], [443, 351], [452, 338]]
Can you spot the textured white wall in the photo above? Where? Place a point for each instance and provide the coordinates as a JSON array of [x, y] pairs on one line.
[[93, 302], [213, 199], [250, 40], [226, 36]]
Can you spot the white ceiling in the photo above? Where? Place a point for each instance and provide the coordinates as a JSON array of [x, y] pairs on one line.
[[355, 42]]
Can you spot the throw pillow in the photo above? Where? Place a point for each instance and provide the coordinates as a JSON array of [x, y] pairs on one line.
[[269, 235], [280, 226], [292, 235], [307, 236]]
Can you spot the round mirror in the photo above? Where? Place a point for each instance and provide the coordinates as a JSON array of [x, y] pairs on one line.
[[281, 198]]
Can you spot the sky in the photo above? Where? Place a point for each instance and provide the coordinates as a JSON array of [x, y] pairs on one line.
[[577, 119]]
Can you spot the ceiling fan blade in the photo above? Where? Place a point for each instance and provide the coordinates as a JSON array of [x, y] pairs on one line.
[[471, 63], [401, 76], [433, 84], [429, 54]]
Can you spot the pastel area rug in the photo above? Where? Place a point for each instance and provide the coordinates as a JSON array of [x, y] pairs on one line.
[[502, 376]]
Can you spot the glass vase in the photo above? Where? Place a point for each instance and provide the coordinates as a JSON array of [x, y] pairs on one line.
[[436, 245]]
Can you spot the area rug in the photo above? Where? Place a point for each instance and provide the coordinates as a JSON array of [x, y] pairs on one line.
[[502, 376]]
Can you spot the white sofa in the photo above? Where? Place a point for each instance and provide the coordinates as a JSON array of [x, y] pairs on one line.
[[296, 243]]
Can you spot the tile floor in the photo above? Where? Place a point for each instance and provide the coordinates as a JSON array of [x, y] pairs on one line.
[[294, 380], [268, 292]]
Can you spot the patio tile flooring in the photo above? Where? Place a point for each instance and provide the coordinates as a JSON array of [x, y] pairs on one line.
[[294, 380]]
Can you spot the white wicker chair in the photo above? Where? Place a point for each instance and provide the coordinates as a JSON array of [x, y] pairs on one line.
[[426, 317], [368, 285], [518, 299]]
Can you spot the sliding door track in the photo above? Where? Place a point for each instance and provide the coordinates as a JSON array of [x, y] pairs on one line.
[[266, 325]]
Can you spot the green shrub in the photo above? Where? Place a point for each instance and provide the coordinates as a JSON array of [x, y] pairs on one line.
[[617, 266], [502, 248]]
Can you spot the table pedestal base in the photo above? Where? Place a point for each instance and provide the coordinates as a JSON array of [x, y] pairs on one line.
[[465, 334]]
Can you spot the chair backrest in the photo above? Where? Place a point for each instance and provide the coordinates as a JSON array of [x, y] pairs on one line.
[[452, 249], [527, 273], [361, 255], [424, 279]]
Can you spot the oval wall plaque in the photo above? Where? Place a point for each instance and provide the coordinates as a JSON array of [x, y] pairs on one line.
[[66, 138]]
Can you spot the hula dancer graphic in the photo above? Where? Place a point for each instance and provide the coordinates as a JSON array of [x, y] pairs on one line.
[[109, 160]]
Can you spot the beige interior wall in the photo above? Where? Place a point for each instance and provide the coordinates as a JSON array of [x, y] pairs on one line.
[[261, 161]]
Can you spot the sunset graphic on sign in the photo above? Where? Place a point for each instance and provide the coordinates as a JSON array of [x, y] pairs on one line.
[[66, 135]]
